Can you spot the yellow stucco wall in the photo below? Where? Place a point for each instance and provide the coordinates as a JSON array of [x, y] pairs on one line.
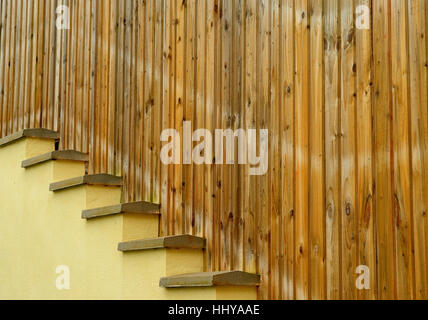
[[41, 230]]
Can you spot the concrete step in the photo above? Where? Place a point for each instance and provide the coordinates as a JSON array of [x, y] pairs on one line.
[[66, 155], [29, 133], [229, 285], [211, 279], [140, 207], [95, 179], [172, 242]]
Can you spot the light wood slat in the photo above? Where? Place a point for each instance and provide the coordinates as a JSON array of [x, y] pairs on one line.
[[346, 111], [211, 279], [316, 142], [172, 242], [332, 145], [302, 149], [387, 286], [132, 207], [348, 151], [365, 187]]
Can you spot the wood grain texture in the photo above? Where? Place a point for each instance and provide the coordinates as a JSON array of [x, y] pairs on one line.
[[346, 110]]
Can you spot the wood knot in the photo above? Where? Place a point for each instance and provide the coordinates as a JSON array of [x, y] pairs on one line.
[[348, 209]]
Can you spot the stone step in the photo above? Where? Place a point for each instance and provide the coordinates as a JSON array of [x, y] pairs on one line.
[[140, 207], [95, 179], [172, 242], [211, 279], [29, 133], [67, 155]]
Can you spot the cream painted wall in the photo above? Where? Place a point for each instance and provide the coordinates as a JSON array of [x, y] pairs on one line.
[[40, 230]]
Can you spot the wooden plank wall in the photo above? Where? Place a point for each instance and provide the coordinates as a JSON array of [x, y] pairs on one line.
[[346, 109]]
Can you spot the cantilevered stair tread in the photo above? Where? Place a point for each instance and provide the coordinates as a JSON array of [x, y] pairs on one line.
[[29, 133], [211, 279], [68, 155], [133, 207], [172, 242], [95, 179]]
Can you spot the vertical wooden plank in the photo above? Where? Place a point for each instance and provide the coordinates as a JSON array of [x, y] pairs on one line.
[[316, 142], [29, 65], [288, 148], [93, 85], [51, 75], [132, 98], [383, 152], [158, 88], [237, 108], [148, 99], [121, 57], [302, 149], [263, 214], [226, 212], [34, 64], [332, 147], [96, 149], [105, 75], [348, 150], [140, 82], [62, 83], [402, 205], [166, 112], [199, 117], [11, 70], [209, 125], [250, 107], [419, 140], [274, 189], [58, 68], [16, 65], [112, 82], [22, 62], [126, 95], [79, 75], [217, 169], [188, 110], [179, 111], [173, 43], [69, 138], [46, 63], [87, 77], [365, 214], [5, 25]]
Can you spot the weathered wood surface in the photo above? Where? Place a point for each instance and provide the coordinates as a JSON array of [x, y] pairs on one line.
[[346, 109]]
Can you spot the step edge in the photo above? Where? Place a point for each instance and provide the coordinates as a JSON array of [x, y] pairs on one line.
[[171, 242], [211, 279], [131, 207], [64, 155], [95, 179], [38, 133]]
